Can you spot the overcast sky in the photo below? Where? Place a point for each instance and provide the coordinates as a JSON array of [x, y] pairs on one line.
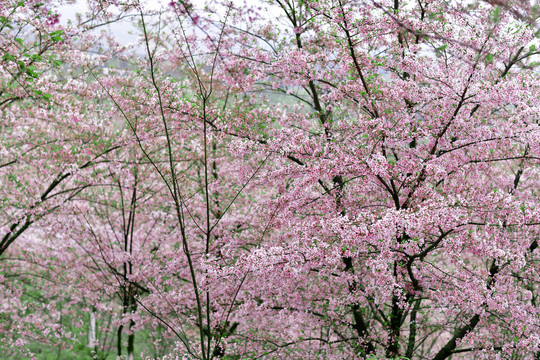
[[123, 28]]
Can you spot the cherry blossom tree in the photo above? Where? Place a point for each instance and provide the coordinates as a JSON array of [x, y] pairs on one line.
[[53, 137], [291, 179]]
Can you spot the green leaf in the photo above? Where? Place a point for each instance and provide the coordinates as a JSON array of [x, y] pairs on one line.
[[497, 15], [442, 48], [31, 71], [57, 35], [8, 57], [435, 15], [20, 41], [57, 32]]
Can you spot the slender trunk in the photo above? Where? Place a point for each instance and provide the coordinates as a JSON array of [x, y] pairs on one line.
[[131, 341], [119, 340], [92, 332], [59, 353], [392, 349], [131, 337], [412, 330], [395, 329]]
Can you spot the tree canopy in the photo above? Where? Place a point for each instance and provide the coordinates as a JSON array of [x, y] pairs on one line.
[[282, 179]]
